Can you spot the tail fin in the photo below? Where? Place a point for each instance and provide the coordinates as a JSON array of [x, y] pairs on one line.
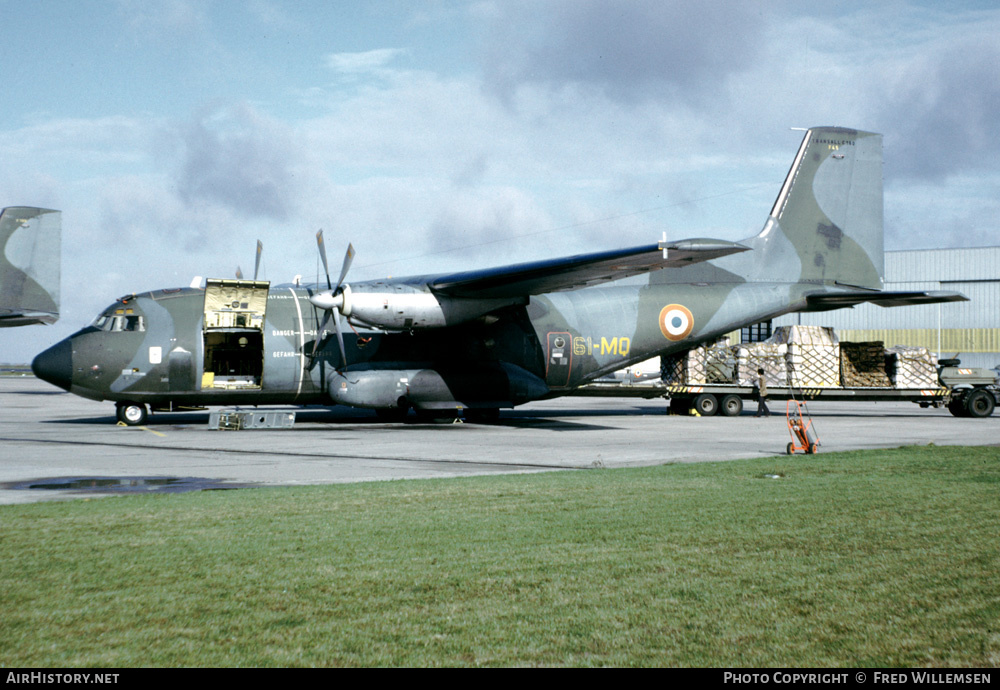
[[830, 211], [29, 265]]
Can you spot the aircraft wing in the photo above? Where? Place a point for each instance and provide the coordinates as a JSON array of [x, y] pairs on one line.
[[826, 301], [29, 266], [583, 270]]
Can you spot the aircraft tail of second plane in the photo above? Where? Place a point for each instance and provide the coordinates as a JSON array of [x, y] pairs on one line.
[[29, 265]]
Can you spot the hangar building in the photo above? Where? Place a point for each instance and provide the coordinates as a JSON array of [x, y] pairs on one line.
[[971, 329]]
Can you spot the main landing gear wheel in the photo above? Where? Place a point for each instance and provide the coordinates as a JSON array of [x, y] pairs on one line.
[[394, 414], [391, 414], [436, 416], [482, 415], [131, 414]]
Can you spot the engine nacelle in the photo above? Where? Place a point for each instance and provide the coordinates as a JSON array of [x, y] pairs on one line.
[[491, 385], [406, 307]]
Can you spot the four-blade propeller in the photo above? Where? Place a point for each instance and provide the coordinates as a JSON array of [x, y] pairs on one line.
[[330, 299]]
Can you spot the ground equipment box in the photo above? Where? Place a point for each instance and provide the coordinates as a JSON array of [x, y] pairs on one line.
[[234, 420]]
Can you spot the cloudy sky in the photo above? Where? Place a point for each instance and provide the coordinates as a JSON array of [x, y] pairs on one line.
[[173, 134]]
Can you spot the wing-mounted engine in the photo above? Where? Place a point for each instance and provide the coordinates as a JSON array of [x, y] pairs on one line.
[[403, 306], [398, 307]]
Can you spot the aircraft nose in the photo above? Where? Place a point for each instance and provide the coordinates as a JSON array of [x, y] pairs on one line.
[[55, 365]]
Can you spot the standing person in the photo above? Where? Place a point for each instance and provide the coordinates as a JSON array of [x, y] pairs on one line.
[[762, 410]]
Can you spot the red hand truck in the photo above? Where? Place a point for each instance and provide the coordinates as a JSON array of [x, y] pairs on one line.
[[804, 437]]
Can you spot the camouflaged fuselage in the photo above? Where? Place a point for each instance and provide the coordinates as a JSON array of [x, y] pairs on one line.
[[512, 338]]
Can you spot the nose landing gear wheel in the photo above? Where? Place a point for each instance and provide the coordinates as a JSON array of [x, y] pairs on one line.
[[131, 414]]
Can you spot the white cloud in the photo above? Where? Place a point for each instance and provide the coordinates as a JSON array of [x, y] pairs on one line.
[[613, 126], [160, 18], [634, 50], [274, 15], [367, 61], [240, 159]]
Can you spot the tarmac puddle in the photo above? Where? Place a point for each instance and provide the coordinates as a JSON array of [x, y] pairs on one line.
[[123, 485]]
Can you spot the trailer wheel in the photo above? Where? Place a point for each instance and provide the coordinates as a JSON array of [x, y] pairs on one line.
[[813, 449], [731, 405], [678, 406], [957, 407], [979, 403], [790, 448], [706, 404]]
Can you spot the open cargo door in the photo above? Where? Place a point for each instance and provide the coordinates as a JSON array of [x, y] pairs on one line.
[[234, 334]]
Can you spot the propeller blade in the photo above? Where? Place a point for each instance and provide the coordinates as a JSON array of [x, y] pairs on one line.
[[322, 254], [340, 341], [256, 268], [348, 258], [319, 333], [239, 273], [331, 299]]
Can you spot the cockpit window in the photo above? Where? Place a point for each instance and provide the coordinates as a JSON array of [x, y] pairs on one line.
[[135, 322], [119, 320]]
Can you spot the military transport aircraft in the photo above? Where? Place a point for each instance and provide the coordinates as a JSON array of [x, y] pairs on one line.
[[29, 266], [482, 340]]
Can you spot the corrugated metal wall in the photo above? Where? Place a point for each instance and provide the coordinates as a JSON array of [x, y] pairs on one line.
[[943, 264], [944, 340], [971, 328]]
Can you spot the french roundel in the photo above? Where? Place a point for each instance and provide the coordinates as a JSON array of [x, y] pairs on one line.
[[676, 322]]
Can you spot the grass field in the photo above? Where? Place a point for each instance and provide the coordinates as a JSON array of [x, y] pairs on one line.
[[883, 558]]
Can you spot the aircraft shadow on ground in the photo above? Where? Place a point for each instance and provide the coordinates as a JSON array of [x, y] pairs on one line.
[[544, 419], [34, 392], [549, 419]]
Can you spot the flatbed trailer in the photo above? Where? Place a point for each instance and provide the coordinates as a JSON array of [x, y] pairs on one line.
[[966, 392], [727, 399]]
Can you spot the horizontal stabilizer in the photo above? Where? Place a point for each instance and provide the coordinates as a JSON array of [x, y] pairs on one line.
[[837, 300], [583, 270]]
